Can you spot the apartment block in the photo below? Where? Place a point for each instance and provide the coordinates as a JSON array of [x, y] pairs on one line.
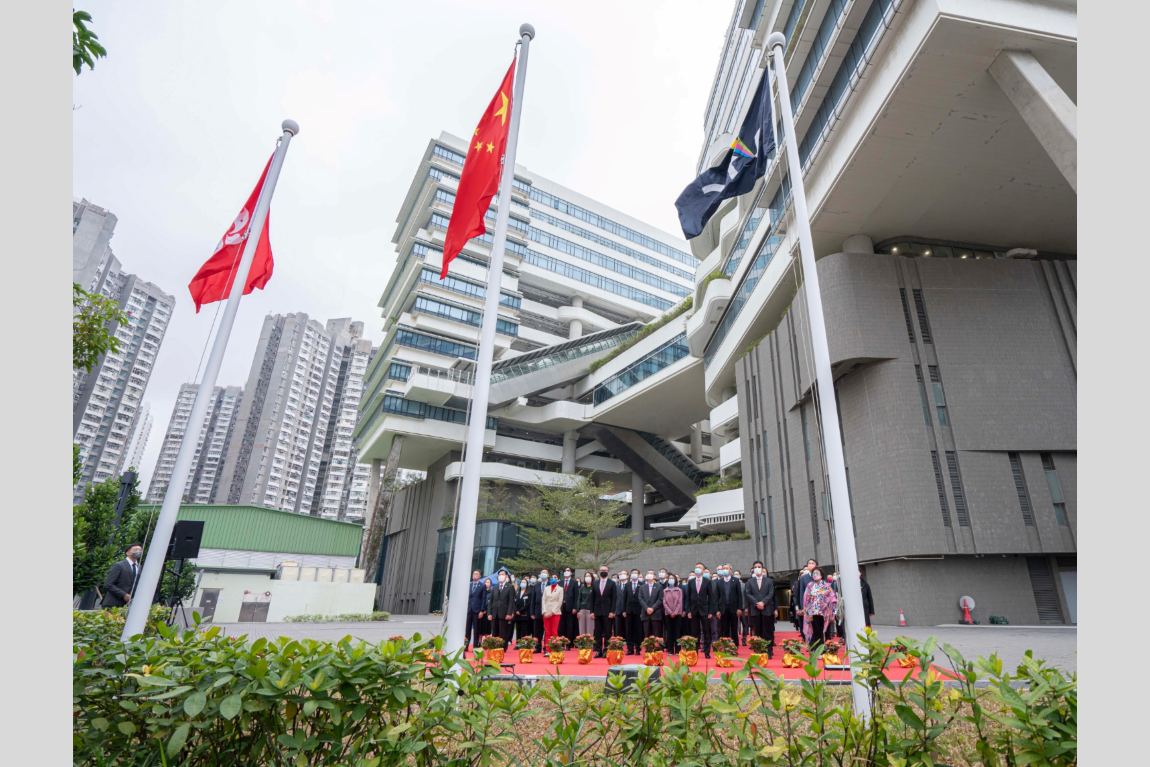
[[212, 439], [134, 455]]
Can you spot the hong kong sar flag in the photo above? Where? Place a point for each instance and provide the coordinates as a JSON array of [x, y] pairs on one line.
[[213, 282], [479, 181]]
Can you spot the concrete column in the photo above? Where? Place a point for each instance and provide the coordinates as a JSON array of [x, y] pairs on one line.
[[570, 442], [638, 487], [1050, 114], [576, 328], [697, 442], [859, 243]]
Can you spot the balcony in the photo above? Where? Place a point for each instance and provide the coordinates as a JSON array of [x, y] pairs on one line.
[[721, 512], [730, 456], [702, 324], [513, 475], [725, 419]]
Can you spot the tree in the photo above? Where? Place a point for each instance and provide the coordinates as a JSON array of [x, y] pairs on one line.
[[93, 331], [495, 499], [85, 43], [574, 526]]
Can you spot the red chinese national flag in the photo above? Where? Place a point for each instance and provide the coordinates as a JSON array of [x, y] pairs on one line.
[[213, 282], [479, 181]]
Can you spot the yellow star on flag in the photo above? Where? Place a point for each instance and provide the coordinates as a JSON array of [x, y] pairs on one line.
[[490, 147], [478, 145]]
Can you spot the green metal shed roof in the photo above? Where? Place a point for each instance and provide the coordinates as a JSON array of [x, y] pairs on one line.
[[253, 528]]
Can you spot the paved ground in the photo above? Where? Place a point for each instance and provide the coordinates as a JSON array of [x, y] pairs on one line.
[[1057, 645]]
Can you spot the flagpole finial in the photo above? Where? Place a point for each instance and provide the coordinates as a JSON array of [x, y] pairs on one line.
[[528, 30], [291, 126], [776, 40]]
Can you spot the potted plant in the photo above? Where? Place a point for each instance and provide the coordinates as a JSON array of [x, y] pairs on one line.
[[832, 652], [585, 644], [555, 648], [899, 648], [615, 648], [688, 651], [652, 651], [493, 649], [526, 647], [724, 650], [759, 649], [792, 653]]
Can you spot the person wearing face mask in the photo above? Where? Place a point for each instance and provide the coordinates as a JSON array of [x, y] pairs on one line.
[[619, 623], [651, 606], [744, 620], [537, 606], [700, 610], [523, 601], [761, 606], [804, 581], [819, 603], [714, 603], [586, 605], [662, 578], [672, 613], [569, 621], [502, 608], [729, 603], [551, 603], [120, 582], [603, 595], [476, 604], [485, 618], [634, 623]]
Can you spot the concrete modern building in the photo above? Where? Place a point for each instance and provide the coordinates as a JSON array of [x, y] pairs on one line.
[[938, 149], [134, 455], [106, 401], [212, 440], [301, 374]]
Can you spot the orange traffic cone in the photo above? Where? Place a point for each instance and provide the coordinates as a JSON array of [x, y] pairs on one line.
[[901, 618]]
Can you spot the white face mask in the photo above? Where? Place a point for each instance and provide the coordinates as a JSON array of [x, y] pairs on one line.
[[634, 576], [698, 571], [662, 576], [502, 579], [567, 574], [650, 577], [671, 581], [587, 580], [758, 571]]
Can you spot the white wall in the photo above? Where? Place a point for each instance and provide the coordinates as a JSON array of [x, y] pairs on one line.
[[287, 597]]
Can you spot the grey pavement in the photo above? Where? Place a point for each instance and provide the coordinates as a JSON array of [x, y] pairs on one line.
[[1056, 644]]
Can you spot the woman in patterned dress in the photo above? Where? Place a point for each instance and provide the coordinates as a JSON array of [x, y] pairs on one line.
[[819, 604]]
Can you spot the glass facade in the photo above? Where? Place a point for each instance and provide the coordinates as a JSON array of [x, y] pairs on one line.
[[426, 305], [614, 264], [495, 542], [609, 243], [667, 354], [464, 287], [596, 279], [413, 339]]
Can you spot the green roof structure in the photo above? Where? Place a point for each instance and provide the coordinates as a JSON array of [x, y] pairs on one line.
[[254, 528]]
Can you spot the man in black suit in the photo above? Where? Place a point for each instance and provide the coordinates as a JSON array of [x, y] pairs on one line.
[[761, 605], [502, 608], [120, 583], [619, 622], [699, 609], [569, 618], [537, 608], [729, 603], [476, 604], [651, 606], [603, 594]]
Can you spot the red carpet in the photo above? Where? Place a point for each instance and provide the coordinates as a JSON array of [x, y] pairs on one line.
[[540, 666]]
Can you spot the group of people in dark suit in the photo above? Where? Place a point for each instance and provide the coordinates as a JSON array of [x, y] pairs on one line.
[[629, 605]]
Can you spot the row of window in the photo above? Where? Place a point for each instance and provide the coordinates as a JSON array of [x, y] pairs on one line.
[[462, 314], [397, 405], [413, 339], [666, 355], [595, 279], [465, 287], [607, 242], [614, 264]]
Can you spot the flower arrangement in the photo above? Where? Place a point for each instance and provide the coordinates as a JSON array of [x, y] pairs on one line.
[[759, 645], [792, 653], [493, 649], [832, 652], [652, 651], [555, 648], [526, 648], [688, 650], [907, 661], [615, 647], [584, 642]]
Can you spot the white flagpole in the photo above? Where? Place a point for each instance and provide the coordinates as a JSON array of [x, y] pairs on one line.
[[154, 563], [480, 388], [847, 558]]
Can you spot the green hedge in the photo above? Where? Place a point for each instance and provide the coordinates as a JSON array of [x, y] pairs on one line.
[[644, 331], [686, 540], [719, 484], [201, 698], [341, 618]]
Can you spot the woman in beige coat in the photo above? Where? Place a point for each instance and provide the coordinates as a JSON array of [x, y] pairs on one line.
[[552, 608]]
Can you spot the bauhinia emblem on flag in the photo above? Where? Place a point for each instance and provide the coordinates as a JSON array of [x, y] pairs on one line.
[[213, 282], [743, 164], [479, 181]]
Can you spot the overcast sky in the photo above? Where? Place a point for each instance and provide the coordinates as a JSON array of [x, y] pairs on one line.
[[173, 128]]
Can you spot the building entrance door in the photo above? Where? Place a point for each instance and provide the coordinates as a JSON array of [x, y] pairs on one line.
[[208, 600]]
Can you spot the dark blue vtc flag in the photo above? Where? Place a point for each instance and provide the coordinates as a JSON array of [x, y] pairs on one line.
[[744, 163]]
